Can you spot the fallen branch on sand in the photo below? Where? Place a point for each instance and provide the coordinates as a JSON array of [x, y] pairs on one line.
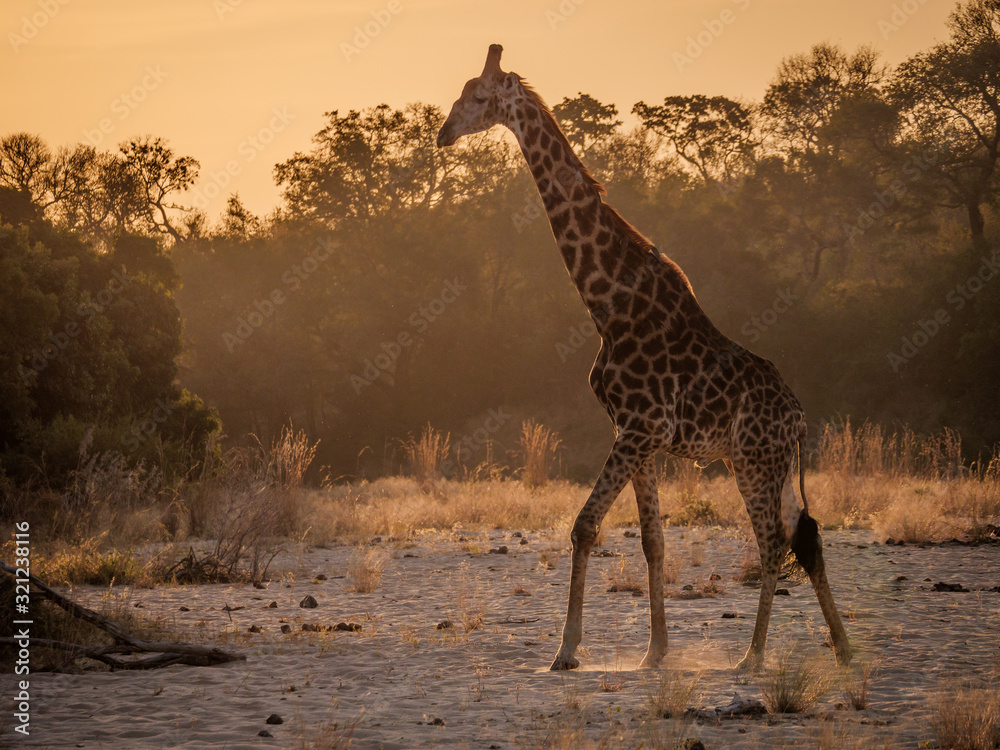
[[121, 654]]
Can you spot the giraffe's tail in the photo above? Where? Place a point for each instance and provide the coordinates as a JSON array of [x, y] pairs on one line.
[[806, 543]]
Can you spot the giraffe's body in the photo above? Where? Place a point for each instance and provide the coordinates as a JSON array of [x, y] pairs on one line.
[[668, 378]]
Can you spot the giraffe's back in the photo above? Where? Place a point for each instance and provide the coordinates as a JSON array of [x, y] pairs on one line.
[[665, 370]]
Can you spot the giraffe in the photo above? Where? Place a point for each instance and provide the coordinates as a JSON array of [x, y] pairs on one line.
[[669, 380]]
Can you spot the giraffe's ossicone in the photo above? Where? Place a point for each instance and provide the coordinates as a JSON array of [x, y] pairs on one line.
[[668, 378]]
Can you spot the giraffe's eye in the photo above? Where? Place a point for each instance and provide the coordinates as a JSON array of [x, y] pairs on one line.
[[479, 99]]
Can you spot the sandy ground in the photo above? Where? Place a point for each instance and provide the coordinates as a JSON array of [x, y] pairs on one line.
[[401, 682]]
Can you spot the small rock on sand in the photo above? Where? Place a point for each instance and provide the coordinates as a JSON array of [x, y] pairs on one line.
[[309, 602], [941, 586]]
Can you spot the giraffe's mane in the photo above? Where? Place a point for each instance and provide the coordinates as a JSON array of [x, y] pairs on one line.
[[550, 118], [634, 235]]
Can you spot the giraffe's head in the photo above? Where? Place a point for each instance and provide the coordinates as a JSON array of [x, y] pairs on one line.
[[480, 106]]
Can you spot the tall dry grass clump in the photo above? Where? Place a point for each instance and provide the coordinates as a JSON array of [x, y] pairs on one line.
[[967, 719], [426, 454], [246, 503], [365, 569], [539, 445], [108, 496], [905, 486], [794, 686]]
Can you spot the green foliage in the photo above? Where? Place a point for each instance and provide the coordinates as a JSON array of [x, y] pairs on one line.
[[88, 353]]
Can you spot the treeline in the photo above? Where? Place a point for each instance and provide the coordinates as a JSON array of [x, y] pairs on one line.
[[843, 226]]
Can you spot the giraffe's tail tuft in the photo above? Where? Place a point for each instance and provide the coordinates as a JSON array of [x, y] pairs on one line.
[[806, 543]]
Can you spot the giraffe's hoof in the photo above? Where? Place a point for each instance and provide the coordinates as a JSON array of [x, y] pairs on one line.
[[844, 656], [749, 664], [651, 661], [561, 664]]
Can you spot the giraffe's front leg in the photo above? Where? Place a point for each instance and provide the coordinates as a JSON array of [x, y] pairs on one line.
[[618, 470], [651, 527]]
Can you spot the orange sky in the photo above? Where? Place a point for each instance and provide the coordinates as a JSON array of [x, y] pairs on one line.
[[242, 84]]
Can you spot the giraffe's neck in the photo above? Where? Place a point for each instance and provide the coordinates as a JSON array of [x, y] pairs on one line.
[[572, 200]]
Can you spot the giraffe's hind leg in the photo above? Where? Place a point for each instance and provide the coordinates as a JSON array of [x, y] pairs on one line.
[[618, 470], [762, 495], [644, 483], [808, 548]]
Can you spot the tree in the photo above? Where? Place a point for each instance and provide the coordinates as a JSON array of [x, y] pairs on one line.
[[588, 124], [155, 174], [102, 194], [951, 98], [89, 349], [714, 135], [810, 88], [23, 160]]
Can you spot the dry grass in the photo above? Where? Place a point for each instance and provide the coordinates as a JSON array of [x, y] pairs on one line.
[[426, 454], [856, 689], [364, 570], [704, 588], [626, 576], [904, 486], [538, 448], [670, 693], [672, 567], [794, 685], [52, 623], [397, 506], [967, 719], [331, 735], [86, 564], [250, 500], [470, 604], [613, 679]]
